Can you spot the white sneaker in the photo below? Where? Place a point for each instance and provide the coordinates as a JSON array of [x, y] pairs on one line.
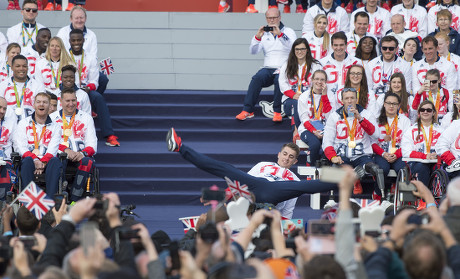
[[454, 166], [330, 204]]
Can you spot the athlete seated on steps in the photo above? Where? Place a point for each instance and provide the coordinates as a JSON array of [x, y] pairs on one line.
[[266, 191]]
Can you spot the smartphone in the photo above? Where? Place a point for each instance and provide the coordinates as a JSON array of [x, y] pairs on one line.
[[28, 241], [58, 200], [268, 28], [332, 175], [212, 195], [321, 237], [88, 236]]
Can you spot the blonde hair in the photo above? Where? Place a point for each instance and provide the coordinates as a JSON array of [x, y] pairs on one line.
[[64, 58], [443, 36], [326, 36]]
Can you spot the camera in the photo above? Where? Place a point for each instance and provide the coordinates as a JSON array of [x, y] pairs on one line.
[[126, 234], [28, 241], [419, 219], [208, 232], [268, 28], [405, 190]]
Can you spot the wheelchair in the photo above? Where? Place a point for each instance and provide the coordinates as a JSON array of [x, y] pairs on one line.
[[438, 182], [400, 199], [92, 185]]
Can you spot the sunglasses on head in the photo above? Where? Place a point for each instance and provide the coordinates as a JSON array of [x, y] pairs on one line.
[[31, 10], [388, 48], [426, 109]]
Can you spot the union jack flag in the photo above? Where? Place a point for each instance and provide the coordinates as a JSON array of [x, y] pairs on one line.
[[189, 223], [107, 66], [35, 200], [237, 188], [366, 202]]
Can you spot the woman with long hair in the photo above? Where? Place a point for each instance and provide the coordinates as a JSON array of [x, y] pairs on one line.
[[366, 50], [295, 77], [319, 39], [49, 68], [454, 114], [391, 125], [12, 50], [356, 78], [419, 141], [313, 108], [398, 87]]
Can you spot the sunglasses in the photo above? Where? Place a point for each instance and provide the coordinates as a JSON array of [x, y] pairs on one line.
[[426, 109], [388, 48], [434, 81], [346, 89], [31, 10]]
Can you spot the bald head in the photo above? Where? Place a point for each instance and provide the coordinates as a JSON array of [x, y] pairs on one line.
[[397, 23], [3, 106], [273, 12]]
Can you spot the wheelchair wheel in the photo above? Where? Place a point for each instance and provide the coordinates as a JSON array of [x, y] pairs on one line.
[[438, 183], [402, 176]]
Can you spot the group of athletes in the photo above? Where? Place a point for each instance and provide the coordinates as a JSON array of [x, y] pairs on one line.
[[48, 88], [369, 96]]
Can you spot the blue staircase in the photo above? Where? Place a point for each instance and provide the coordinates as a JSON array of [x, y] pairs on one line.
[[142, 171]]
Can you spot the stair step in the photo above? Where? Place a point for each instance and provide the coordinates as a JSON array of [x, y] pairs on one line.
[[169, 109]]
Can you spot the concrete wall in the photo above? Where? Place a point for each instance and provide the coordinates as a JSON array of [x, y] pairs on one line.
[[159, 50]]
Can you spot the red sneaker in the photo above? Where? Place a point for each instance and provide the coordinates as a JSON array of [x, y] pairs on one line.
[[277, 117], [273, 7], [10, 5], [16, 5], [112, 141], [287, 9], [49, 7], [357, 189], [69, 7], [40, 5], [299, 9], [173, 141], [251, 9], [58, 7], [349, 7], [223, 9], [376, 197], [244, 115]]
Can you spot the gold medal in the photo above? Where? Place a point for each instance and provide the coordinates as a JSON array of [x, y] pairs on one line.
[[36, 152], [66, 144], [18, 111], [67, 132], [352, 144], [393, 150]]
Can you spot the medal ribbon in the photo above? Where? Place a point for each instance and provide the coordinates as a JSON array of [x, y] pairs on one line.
[[299, 86], [67, 125], [393, 131], [428, 143], [8, 68], [438, 99], [29, 35], [80, 63], [56, 77], [16, 94], [36, 139], [352, 131], [316, 112]]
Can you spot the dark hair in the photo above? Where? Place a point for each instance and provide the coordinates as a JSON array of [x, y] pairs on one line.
[[363, 88], [69, 68], [52, 96], [428, 39], [389, 39], [383, 113], [76, 31], [292, 65], [339, 36], [43, 29], [293, 146], [435, 114], [18, 57], [67, 91], [417, 46], [29, 2], [323, 267], [404, 97], [431, 264], [26, 221], [359, 51], [361, 14], [433, 72]]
